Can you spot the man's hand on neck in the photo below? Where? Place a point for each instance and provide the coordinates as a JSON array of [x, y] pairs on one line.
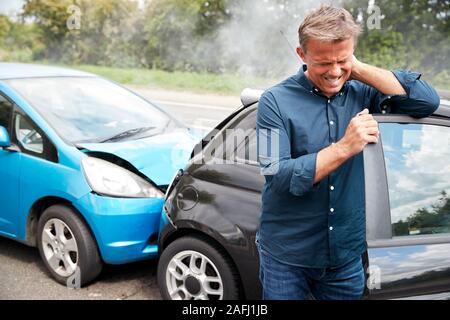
[[381, 79]]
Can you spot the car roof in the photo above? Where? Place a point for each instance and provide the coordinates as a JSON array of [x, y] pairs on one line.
[[250, 96], [10, 70], [444, 109]]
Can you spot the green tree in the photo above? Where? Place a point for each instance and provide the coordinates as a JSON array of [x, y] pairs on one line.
[[175, 28], [414, 34], [18, 41], [50, 16], [427, 220], [5, 27], [110, 31]]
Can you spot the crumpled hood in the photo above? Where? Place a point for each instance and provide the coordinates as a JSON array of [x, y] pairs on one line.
[[158, 157]]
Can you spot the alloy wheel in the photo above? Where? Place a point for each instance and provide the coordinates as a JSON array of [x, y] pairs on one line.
[[60, 247], [191, 275]]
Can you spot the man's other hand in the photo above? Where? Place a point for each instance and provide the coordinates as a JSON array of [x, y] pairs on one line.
[[362, 129]]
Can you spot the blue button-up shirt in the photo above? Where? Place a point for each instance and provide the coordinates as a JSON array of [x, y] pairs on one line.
[[319, 225]]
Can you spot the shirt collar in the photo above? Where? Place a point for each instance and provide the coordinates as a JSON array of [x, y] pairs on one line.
[[303, 80]]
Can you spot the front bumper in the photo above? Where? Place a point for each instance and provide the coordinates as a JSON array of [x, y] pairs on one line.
[[166, 228], [126, 229]]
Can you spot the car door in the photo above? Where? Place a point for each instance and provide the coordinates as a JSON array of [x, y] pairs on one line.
[[233, 168], [245, 162], [229, 184], [9, 175], [407, 178]]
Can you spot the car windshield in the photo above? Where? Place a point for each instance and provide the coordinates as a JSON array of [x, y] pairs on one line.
[[90, 109]]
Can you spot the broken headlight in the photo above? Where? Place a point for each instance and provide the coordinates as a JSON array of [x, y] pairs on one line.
[[108, 179]]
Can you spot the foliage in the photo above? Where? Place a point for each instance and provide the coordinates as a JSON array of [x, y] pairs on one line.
[[427, 220], [18, 41], [249, 37], [414, 34], [178, 80], [109, 31], [176, 29]]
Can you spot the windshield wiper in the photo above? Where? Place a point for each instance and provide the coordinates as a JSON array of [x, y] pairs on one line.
[[126, 134]]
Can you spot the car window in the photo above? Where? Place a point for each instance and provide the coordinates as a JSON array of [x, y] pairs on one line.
[[247, 151], [241, 138], [5, 112], [239, 131], [32, 140], [28, 137], [418, 172]]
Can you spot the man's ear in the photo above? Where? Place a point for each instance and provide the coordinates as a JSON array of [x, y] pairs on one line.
[[301, 53]]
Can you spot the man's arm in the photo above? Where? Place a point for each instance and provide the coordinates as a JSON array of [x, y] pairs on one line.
[[419, 100], [381, 79], [397, 91], [282, 172], [299, 175], [363, 129]]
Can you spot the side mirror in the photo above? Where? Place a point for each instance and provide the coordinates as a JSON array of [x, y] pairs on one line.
[[4, 138]]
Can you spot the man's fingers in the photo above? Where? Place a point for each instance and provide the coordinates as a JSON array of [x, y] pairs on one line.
[[365, 111], [363, 117], [371, 139], [372, 130], [370, 124]]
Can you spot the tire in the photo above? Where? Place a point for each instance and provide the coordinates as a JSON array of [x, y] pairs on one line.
[[67, 247], [182, 278]]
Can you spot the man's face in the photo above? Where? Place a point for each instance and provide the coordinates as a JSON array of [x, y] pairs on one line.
[[329, 64]]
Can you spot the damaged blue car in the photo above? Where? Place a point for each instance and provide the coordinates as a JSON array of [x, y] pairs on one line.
[[84, 164]]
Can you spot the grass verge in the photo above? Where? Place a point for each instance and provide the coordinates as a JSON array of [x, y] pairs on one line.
[[227, 84]]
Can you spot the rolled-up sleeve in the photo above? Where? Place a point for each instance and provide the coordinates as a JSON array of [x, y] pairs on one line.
[[282, 172], [420, 100]]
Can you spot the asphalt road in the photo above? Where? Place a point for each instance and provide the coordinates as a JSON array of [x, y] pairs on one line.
[[23, 274], [201, 111]]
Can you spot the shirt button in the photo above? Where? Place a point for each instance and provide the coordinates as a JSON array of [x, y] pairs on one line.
[[331, 209], [331, 228], [331, 188], [331, 122], [329, 100]]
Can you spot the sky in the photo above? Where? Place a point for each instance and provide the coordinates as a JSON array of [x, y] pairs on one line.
[[10, 7]]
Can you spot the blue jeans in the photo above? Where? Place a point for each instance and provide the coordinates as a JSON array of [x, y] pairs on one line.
[[281, 281]]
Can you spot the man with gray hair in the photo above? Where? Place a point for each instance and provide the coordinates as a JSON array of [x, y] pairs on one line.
[[312, 228]]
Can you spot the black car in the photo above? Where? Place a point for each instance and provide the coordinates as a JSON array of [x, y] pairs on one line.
[[212, 210]]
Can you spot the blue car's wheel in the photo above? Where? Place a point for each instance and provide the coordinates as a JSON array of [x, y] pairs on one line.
[[67, 247]]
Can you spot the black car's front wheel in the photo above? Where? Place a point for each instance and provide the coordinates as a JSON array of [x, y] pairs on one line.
[[191, 268]]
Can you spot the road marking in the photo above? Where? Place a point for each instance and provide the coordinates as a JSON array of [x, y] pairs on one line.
[[213, 122], [200, 127], [193, 105], [204, 123]]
